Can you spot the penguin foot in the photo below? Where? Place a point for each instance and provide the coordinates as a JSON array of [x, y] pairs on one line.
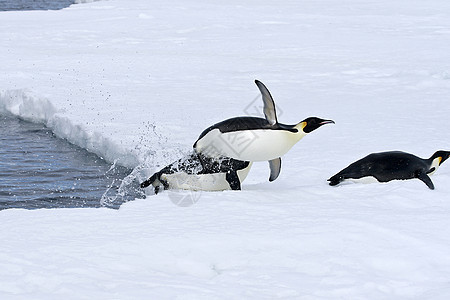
[[160, 184], [149, 181], [156, 190]]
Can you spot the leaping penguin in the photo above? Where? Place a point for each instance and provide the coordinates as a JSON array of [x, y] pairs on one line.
[[197, 172], [256, 139], [387, 166]]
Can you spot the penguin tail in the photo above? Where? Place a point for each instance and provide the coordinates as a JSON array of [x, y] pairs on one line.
[[335, 180]]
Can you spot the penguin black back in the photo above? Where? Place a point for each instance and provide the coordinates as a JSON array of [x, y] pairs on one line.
[[392, 165]]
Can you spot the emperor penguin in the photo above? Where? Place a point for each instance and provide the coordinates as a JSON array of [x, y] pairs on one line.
[[256, 139], [392, 165], [197, 172]]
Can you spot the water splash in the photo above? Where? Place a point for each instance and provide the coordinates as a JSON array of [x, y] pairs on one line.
[[128, 189]]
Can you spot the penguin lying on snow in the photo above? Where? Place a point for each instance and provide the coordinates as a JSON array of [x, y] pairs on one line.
[[197, 172], [255, 139], [387, 166]]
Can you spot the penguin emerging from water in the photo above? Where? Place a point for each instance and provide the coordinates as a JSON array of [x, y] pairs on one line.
[[256, 139], [387, 166], [197, 172]]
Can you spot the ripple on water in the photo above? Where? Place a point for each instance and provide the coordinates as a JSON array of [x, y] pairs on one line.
[[39, 170]]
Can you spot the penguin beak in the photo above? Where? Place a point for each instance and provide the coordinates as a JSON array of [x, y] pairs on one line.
[[326, 122]]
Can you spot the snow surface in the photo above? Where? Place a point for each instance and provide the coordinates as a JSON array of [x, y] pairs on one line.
[[137, 81]]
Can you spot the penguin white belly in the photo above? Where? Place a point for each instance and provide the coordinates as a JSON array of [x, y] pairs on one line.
[[364, 180], [248, 145], [202, 182]]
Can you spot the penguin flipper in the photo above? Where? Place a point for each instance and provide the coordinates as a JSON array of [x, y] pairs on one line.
[[233, 180], [269, 105], [426, 179], [275, 168]]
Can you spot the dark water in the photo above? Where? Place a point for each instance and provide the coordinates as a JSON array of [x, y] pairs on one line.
[[34, 4], [39, 170]]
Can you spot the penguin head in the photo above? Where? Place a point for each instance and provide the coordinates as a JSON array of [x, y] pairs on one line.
[[312, 123], [441, 155]]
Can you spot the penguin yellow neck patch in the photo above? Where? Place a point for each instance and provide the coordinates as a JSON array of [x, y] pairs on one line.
[[300, 126]]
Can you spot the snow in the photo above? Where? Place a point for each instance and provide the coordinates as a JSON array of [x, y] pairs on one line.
[[137, 82]]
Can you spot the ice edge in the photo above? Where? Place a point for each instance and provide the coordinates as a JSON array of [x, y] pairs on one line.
[[25, 105]]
